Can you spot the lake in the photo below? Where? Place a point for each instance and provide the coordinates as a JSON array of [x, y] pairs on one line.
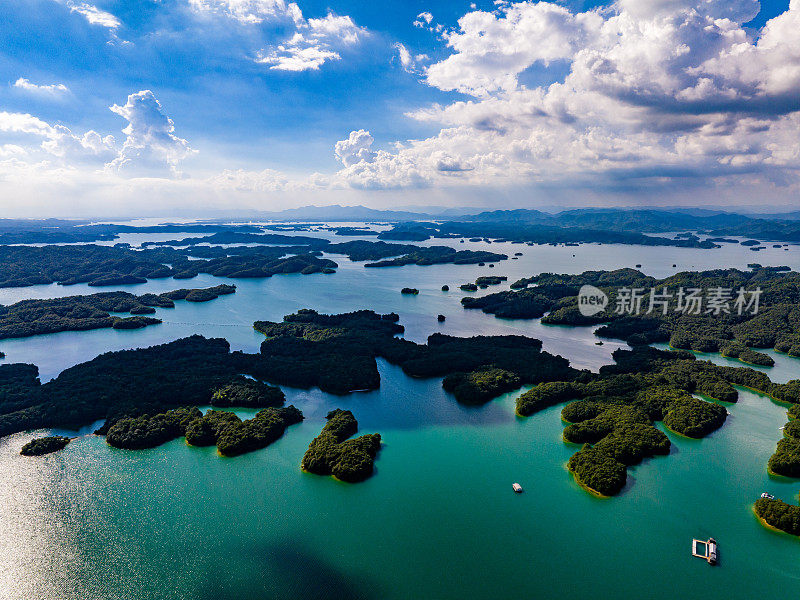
[[439, 519]]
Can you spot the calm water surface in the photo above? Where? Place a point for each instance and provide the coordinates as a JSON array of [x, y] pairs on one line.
[[439, 519]]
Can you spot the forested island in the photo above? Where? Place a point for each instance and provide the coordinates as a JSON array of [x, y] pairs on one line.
[[81, 313], [775, 325], [612, 412], [222, 429], [786, 459], [532, 233], [143, 394], [119, 265], [778, 514], [98, 266], [332, 453], [45, 445], [337, 353]]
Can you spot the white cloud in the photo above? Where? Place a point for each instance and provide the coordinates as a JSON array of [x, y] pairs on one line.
[[151, 146], [24, 123], [314, 41], [656, 91], [297, 55], [334, 29], [410, 63], [50, 89], [423, 19], [53, 141], [355, 149], [249, 11], [406, 60], [491, 50], [94, 15]]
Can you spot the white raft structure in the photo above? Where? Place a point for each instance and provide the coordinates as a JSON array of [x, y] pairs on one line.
[[705, 549]]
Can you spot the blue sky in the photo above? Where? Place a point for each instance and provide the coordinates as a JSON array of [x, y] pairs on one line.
[[167, 105]]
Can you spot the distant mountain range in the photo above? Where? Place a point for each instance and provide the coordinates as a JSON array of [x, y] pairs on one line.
[[612, 219]]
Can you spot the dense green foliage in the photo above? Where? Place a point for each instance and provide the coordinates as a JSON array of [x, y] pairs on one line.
[[45, 445], [149, 431], [507, 227], [332, 453], [118, 384], [234, 436], [598, 471], [487, 280], [337, 352], [247, 393], [404, 232], [228, 432], [118, 265], [774, 326], [614, 410], [80, 313], [478, 387], [333, 352], [779, 514], [545, 395], [436, 255], [200, 295], [786, 459], [694, 418], [18, 385]]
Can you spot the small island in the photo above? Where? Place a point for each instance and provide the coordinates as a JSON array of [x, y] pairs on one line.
[[778, 514], [478, 387], [245, 392], [45, 445], [734, 335], [332, 453], [786, 459], [409, 291], [612, 413], [94, 311], [227, 431]]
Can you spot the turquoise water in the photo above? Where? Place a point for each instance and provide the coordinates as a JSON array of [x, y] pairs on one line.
[[439, 519]]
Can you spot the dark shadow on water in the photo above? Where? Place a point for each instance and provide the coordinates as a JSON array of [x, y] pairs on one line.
[[401, 402], [284, 571]]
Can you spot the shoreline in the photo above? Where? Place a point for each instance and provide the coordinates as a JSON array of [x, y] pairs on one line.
[[585, 487]]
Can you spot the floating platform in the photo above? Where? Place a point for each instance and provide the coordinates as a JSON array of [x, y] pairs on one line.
[[705, 549]]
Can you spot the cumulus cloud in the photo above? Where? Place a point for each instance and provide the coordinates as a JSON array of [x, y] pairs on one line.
[[655, 90], [491, 50], [54, 89], [355, 149], [314, 41], [54, 141], [151, 145]]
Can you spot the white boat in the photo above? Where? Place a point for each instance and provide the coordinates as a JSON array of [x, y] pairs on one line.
[[768, 496], [517, 488]]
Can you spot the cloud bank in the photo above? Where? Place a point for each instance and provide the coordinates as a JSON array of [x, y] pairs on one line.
[[656, 90]]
